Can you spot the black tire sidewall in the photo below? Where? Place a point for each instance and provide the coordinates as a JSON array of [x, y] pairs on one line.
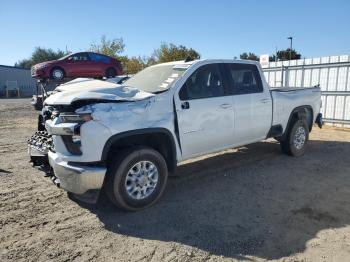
[[119, 172], [293, 150], [110, 72]]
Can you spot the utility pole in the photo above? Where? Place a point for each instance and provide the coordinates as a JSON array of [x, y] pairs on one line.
[[276, 55], [291, 47]]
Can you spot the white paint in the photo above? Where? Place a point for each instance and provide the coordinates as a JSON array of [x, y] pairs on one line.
[[331, 72], [207, 126], [95, 89]]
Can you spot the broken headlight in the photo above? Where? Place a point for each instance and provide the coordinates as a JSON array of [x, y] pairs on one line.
[[75, 118]]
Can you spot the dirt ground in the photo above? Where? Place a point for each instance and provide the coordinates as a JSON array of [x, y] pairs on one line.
[[252, 204]]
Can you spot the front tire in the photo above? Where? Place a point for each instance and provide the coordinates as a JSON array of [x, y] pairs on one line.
[[294, 144], [136, 179], [57, 74]]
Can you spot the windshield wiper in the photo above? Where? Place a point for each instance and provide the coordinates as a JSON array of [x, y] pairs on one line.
[[160, 91]]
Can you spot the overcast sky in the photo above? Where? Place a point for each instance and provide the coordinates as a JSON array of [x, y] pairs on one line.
[[216, 29]]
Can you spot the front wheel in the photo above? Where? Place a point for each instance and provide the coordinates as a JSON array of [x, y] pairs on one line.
[[295, 142], [57, 74], [136, 179]]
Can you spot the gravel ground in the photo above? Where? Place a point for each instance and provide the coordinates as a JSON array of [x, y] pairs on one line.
[[251, 204]]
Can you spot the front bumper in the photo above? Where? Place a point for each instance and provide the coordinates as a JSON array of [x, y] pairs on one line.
[[76, 178], [39, 73]]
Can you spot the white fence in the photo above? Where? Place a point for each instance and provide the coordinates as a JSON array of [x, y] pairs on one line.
[[331, 73]]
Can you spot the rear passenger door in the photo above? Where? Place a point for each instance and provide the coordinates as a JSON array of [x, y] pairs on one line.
[[204, 112], [251, 102], [100, 63]]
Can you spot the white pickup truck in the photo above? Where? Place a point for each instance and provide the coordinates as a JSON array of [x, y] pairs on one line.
[[126, 139]]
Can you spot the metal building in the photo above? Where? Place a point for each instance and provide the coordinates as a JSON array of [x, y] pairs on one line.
[[331, 73], [16, 77]]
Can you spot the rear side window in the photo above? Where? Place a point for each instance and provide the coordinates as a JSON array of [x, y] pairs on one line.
[[99, 58], [205, 82], [244, 79]]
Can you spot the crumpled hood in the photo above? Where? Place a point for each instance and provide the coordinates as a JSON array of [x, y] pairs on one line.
[[79, 83], [95, 90]]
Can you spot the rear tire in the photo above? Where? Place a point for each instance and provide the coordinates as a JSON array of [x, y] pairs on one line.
[[295, 141], [136, 179], [110, 72]]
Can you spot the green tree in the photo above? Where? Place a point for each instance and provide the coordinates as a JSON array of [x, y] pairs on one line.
[[150, 61], [249, 56], [111, 47], [39, 55], [115, 48], [170, 52], [133, 65], [165, 53], [283, 55]]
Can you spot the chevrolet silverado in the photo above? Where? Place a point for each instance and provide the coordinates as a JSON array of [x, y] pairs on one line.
[[126, 139]]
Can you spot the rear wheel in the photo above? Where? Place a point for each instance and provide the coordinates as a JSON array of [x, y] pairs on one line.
[[136, 179], [110, 72], [295, 142]]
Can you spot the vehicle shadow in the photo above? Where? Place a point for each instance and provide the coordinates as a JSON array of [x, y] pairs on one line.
[[254, 202], [5, 171]]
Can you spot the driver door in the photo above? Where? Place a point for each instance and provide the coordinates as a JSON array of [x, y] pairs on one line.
[[204, 112]]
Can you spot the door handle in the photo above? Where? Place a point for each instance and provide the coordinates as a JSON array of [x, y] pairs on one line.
[[185, 105], [265, 100], [225, 106]]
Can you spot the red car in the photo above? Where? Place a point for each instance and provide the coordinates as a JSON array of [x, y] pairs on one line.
[[83, 64]]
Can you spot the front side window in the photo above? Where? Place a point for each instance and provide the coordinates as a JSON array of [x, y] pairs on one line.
[[244, 79], [205, 82]]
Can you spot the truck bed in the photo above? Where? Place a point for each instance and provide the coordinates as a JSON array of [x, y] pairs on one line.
[[289, 89], [285, 99]]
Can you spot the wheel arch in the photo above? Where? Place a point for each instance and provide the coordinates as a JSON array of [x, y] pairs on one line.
[[58, 67], [110, 68], [160, 139], [300, 112]]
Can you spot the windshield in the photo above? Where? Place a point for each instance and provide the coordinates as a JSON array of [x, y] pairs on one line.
[[156, 79], [64, 57]]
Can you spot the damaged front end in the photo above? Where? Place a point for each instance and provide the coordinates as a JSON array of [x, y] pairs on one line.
[[73, 129], [39, 145], [57, 146], [41, 142]]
